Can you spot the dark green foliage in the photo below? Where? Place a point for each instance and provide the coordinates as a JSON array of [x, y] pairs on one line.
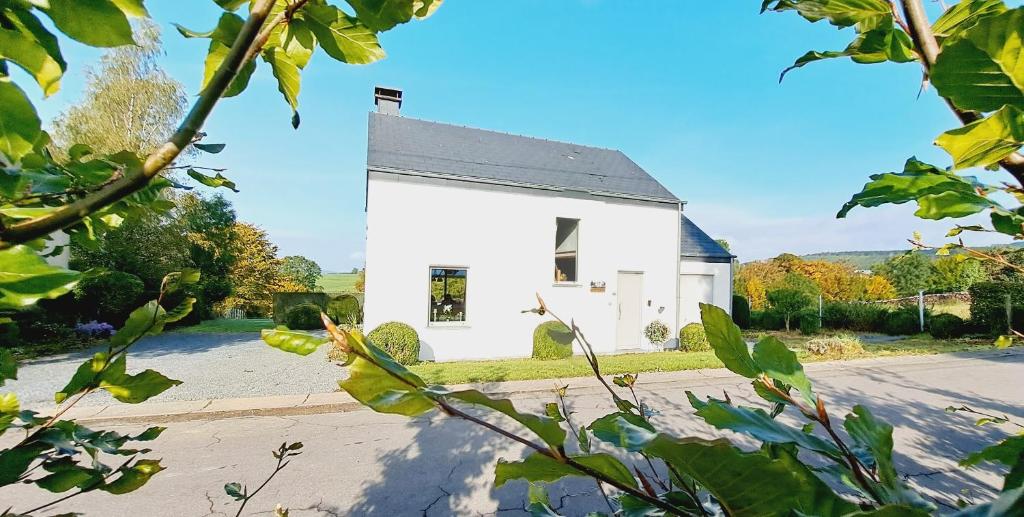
[[903, 321], [945, 326], [305, 316], [788, 302], [108, 297], [398, 340], [809, 323], [692, 338], [283, 302], [860, 317], [345, 309], [767, 320], [552, 340], [740, 311], [988, 305], [908, 273]]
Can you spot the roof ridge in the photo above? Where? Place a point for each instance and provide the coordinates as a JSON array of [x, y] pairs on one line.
[[500, 132]]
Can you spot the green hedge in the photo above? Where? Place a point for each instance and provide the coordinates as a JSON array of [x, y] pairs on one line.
[[108, 297], [284, 302], [345, 309], [902, 321], [740, 311], [304, 317], [552, 340], [809, 322], [945, 326], [397, 339], [861, 317], [988, 305], [693, 339]]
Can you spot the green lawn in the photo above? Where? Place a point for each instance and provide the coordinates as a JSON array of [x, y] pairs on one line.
[[461, 372], [225, 326], [338, 282]]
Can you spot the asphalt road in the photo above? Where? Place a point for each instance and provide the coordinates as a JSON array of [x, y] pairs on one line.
[[364, 463], [210, 366]]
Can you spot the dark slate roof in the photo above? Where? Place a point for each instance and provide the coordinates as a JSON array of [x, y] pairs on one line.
[[403, 145], [697, 245]]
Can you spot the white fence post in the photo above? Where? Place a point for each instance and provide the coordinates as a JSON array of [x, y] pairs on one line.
[[821, 311], [1009, 314], [920, 308]]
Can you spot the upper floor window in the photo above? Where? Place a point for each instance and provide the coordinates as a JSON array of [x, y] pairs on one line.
[[448, 295], [567, 240]]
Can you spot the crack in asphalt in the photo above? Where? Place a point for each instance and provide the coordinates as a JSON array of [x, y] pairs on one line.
[[444, 493]]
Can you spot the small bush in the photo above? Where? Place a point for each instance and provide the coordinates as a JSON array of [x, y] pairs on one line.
[[835, 346], [693, 339], [860, 317], [345, 309], [552, 340], [109, 296], [305, 316], [740, 311], [397, 339], [946, 326], [656, 332], [772, 320], [902, 321], [809, 323], [988, 305]]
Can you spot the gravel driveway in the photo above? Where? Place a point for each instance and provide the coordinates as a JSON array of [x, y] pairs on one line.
[[211, 366]]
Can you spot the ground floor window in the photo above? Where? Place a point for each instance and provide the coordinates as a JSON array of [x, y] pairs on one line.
[[447, 295]]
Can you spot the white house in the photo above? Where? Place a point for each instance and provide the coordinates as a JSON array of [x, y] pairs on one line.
[[465, 226]]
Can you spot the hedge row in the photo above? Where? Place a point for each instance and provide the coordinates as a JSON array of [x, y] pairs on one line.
[[857, 317], [988, 306]]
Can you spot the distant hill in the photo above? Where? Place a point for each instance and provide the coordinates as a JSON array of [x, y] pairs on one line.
[[867, 259]]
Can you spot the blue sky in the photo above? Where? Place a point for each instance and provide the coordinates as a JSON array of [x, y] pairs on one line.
[[691, 94]]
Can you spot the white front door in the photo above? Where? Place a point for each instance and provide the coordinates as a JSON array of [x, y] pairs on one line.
[[629, 296], [693, 291]]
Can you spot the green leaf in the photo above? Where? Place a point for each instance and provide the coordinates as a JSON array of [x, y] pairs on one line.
[[745, 483], [26, 278], [9, 409], [133, 477], [980, 69], [16, 460], [292, 341], [297, 41], [1010, 502], [87, 376], [68, 477], [538, 502], [986, 141], [816, 498], [133, 8], [624, 430], [287, 74], [226, 31], [98, 23], [1004, 341], [133, 389], [545, 428], [387, 388], [756, 423], [8, 366], [23, 50], [216, 55], [212, 181], [539, 467], [780, 363], [20, 126], [841, 13], [875, 437], [724, 336], [341, 36], [878, 45], [210, 148], [382, 15], [148, 319], [231, 5], [939, 193], [179, 312], [1008, 452], [965, 14]]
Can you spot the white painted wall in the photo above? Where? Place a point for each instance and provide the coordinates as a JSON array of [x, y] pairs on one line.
[[721, 287], [506, 237]]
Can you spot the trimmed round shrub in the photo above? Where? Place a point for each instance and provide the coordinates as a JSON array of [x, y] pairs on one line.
[[345, 309], [809, 323], [109, 296], [740, 311], [693, 339], [835, 346], [902, 321], [656, 332], [946, 326], [552, 340], [305, 316], [397, 339]]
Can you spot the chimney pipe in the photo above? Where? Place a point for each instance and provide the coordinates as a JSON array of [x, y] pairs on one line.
[[388, 100]]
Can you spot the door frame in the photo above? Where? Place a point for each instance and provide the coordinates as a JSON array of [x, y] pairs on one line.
[[640, 309]]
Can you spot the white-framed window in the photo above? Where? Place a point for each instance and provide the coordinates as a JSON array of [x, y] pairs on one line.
[[447, 295], [567, 243]]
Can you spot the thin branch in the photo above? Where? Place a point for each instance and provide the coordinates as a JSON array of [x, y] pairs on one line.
[[281, 464], [139, 176], [82, 490]]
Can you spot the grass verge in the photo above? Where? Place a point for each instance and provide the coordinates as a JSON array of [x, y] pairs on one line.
[[225, 326], [461, 372]]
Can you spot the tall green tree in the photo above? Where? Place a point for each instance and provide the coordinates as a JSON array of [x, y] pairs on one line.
[[908, 273], [130, 103], [255, 274], [209, 224], [956, 273], [301, 271]]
